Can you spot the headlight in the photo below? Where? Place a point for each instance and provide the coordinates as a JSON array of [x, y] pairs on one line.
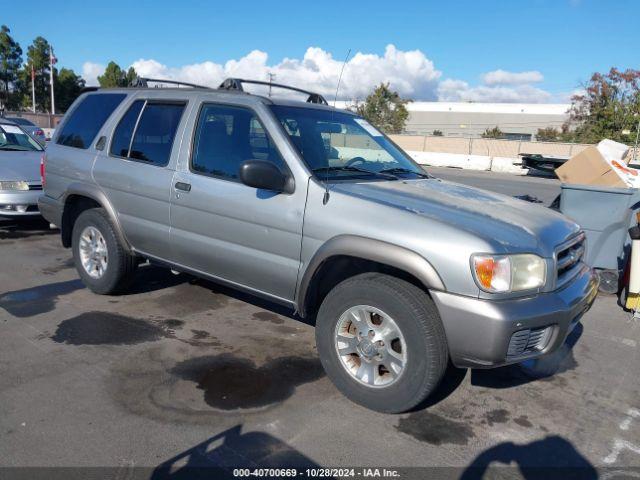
[[14, 186], [508, 273]]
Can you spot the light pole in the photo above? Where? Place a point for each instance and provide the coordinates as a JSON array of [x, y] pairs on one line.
[[635, 145]]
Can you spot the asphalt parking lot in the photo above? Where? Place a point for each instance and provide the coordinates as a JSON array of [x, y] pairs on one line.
[[183, 372]]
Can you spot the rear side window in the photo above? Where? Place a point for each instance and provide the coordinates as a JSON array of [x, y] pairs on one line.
[[146, 132], [87, 119], [124, 131]]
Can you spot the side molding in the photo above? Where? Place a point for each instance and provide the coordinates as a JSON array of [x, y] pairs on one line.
[[368, 249], [91, 191]]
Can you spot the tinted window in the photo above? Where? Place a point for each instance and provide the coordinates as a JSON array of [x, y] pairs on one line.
[[86, 120], [226, 137], [156, 130], [124, 131]]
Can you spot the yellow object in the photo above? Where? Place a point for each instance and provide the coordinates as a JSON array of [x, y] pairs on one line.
[[633, 301]]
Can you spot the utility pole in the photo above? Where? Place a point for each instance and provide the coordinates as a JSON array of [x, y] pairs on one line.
[[271, 77], [33, 89], [52, 61]]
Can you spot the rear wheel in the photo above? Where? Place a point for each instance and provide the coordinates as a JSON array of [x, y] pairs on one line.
[[381, 342], [102, 263]]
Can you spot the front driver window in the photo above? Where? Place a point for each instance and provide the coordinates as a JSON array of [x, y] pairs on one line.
[[227, 136]]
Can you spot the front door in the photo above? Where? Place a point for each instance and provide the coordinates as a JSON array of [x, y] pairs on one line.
[[224, 228]]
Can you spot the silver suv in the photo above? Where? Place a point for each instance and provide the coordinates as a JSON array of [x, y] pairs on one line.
[[314, 208]]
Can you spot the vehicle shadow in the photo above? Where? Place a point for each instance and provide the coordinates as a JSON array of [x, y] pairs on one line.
[[452, 379], [150, 278], [218, 456], [24, 228], [550, 458], [532, 370]]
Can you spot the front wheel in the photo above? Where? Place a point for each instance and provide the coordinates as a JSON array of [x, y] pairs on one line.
[[381, 342]]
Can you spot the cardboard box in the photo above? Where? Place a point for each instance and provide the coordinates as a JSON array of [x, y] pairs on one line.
[[604, 165]]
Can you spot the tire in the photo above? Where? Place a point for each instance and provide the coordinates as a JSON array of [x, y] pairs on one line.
[[119, 266], [396, 302], [609, 281]]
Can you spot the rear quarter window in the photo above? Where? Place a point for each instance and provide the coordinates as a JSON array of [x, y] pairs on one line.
[[86, 120]]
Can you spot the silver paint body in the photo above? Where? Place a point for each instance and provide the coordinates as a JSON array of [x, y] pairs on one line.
[[20, 166], [272, 244]]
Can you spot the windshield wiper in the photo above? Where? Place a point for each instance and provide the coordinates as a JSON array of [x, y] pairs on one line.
[[405, 170], [353, 169]]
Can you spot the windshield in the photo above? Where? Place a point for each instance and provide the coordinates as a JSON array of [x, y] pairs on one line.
[[337, 145], [14, 138]]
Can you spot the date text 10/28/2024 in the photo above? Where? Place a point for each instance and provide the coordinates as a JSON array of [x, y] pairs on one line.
[[316, 472]]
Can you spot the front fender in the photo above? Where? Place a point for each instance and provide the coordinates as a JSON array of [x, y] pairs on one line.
[[368, 249]]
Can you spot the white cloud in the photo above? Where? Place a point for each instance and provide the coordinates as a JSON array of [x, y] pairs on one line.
[[91, 71], [497, 86], [411, 73], [458, 91], [502, 77]]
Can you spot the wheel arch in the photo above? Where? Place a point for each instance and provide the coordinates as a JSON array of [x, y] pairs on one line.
[[80, 197], [367, 254]]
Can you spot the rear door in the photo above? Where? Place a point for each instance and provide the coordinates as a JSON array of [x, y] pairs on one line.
[[224, 228], [136, 168]]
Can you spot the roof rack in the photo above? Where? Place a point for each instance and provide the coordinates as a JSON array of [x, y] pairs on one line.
[[142, 82], [236, 84]]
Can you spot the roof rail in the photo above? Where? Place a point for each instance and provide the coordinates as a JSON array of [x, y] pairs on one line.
[[236, 84], [142, 82], [88, 89]]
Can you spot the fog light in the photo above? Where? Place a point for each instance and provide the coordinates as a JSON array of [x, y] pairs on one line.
[[7, 208], [21, 208]]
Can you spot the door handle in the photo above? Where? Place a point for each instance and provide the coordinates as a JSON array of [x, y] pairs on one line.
[[185, 187]]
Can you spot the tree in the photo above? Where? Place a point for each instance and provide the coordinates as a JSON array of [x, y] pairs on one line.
[[114, 76], [385, 109], [608, 108], [67, 88], [494, 132], [38, 58], [437, 133], [10, 62], [548, 134]]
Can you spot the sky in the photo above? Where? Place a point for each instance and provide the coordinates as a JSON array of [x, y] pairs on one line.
[[530, 51]]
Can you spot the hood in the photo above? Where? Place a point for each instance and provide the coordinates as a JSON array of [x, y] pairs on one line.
[[23, 166], [508, 224]]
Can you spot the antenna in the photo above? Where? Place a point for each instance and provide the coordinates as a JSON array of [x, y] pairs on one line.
[[340, 77], [325, 198]]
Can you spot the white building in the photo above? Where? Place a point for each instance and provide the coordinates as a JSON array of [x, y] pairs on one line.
[[459, 119]]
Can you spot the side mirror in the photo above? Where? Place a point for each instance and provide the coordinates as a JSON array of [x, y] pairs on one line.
[[265, 176]]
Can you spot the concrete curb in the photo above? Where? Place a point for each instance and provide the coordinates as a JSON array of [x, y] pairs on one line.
[[470, 162]]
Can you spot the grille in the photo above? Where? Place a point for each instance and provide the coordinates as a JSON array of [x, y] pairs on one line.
[[527, 341], [35, 187], [568, 258]]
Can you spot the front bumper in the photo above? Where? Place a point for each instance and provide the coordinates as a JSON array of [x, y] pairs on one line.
[[19, 203], [479, 331]]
